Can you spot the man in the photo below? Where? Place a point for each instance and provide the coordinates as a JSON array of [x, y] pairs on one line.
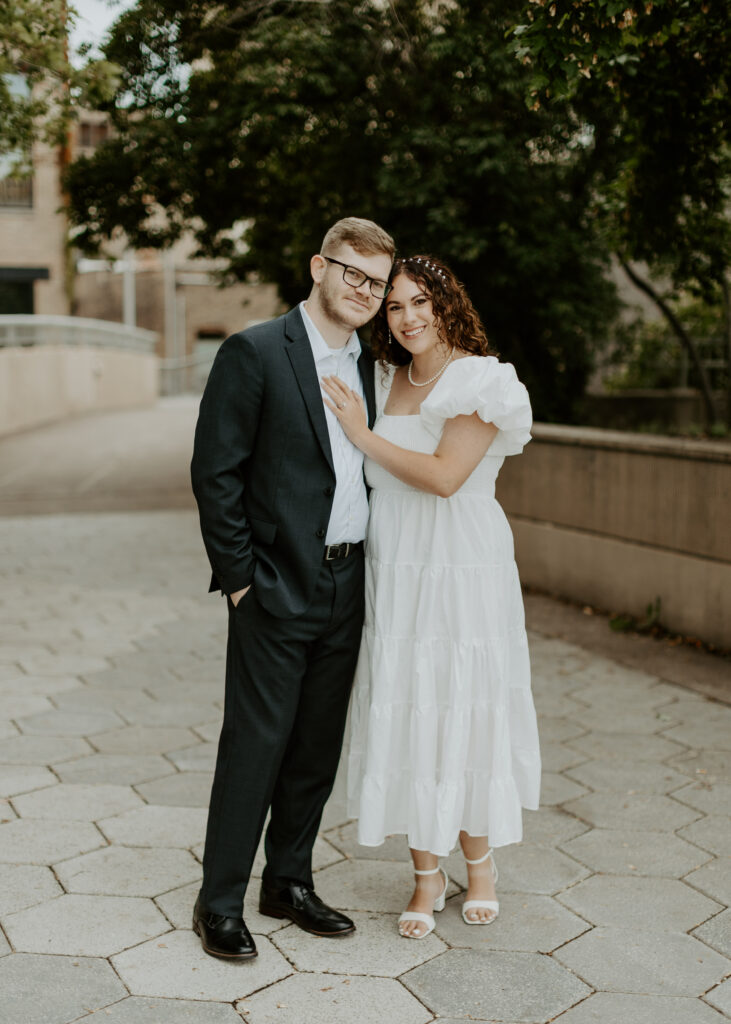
[[283, 511]]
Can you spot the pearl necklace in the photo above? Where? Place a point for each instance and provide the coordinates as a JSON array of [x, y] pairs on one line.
[[436, 376]]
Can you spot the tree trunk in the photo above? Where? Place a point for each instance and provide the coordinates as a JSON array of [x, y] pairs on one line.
[[727, 327], [685, 339]]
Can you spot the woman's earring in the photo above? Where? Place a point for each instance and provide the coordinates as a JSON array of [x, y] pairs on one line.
[[390, 339]]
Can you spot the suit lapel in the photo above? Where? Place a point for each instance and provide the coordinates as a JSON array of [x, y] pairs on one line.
[[303, 364], [366, 370]]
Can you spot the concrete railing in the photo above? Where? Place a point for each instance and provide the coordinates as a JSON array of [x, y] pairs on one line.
[[618, 520], [52, 367]]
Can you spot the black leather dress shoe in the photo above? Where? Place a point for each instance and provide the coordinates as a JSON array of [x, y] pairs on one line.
[[227, 937], [302, 905]]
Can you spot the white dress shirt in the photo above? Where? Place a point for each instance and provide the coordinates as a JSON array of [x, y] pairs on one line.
[[349, 514]]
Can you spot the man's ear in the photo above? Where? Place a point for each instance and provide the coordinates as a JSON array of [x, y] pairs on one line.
[[318, 266]]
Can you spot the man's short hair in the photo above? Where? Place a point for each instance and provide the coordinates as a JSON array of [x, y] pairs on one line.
[[363, 235]]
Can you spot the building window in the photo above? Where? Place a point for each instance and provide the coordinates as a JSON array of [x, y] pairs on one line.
[[16, 296], [16, 192], [16, 288], [93, 134]]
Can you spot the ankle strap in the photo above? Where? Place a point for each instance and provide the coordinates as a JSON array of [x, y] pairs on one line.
[[431, 871], [480, 860]]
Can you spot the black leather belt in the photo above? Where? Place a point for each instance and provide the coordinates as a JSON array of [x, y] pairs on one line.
[[336, 552]]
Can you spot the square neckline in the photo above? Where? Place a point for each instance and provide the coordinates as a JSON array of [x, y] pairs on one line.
[[411, 415]]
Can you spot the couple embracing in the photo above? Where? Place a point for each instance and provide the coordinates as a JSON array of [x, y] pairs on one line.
[[414, 595]]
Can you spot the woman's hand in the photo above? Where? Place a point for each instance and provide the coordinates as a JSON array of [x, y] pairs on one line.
[[348, 407]]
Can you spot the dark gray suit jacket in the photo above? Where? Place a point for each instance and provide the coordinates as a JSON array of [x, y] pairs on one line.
[[262, 467]]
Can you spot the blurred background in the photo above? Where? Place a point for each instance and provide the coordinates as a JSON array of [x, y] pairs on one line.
[[167, 168]]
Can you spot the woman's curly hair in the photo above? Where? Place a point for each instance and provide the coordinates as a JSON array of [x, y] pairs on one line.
[[456, 319]]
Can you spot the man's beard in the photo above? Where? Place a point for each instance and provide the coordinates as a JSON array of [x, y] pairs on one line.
[[333, 314]]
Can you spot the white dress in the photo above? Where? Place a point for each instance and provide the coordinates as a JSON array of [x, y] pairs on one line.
[[443, 730]]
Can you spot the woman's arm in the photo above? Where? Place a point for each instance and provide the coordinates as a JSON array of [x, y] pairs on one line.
[[463, 444]]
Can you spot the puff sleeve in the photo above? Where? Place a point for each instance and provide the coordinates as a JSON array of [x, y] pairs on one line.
[[488, 387]]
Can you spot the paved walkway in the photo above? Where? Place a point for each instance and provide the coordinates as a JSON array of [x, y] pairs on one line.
[[613, 909]]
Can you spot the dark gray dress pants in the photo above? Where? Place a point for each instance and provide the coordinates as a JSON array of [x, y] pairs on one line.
[[288, 683]]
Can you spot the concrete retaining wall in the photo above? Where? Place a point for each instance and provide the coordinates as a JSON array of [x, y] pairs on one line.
[[616, 520], [55, 367]]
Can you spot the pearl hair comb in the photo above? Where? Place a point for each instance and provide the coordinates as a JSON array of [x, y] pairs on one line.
[[428, 264]]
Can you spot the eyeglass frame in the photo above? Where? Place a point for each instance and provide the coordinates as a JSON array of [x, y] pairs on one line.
[[373, 280]]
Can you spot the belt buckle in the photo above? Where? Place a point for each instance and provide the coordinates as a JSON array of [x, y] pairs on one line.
[[333, 551]]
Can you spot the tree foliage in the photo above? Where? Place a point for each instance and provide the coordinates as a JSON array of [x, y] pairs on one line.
[[653, 79], [256, 126], [39, 87]]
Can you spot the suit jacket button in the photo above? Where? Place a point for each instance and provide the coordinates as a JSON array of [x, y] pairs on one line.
[[329, 491], [320, 534]]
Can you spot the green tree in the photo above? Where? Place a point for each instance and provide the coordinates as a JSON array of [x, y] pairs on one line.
[[651, 82], [255, 128], [39, 87]]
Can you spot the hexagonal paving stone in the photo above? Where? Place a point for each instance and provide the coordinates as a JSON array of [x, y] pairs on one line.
[[157, 826], [345, 839], [557, 789], [69, 723], [613, 776], [524, 868], [549, 826], [77, 802], [304, 999], [17, 705], [366, 885], [526, 922], [632, 811], [61, 664], [25, 885], [721, 997], [4, 945], [201, 758], [556, 757], [145, 1010], [645, 962], [8, 729], [662, 903], [495, 985], [625, 746], [127, 871], [124, 769], [43, 750], [93, 698], [717, 932], [180, 713], [55, 989], [643, 853], [141, 739], [7, 813], [44, 686], [704, 764], [31, 841], [713, 799], [375, 949], [175, 966], [186, 789], [178, 908], [703, 735], [614, 1007], [714, 879], [15, 779], [711, 833], [84, 925], [629, 721], [560, 730]]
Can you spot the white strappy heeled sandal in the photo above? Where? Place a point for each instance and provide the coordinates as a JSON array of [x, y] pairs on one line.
[[482, 904], [427, 919]]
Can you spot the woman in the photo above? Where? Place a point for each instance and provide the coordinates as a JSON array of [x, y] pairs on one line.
[[444, 744]]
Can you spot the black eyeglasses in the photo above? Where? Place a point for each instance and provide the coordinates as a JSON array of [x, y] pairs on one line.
[[355, 278]]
